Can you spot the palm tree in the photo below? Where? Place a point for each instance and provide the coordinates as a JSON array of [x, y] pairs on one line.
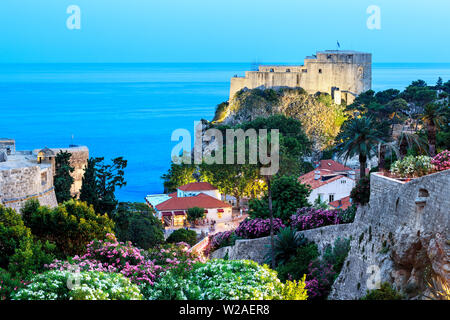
[[433, 118], [409, 140], [360, 137]]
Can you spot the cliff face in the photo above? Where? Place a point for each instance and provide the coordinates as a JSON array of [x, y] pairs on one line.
[[320, 117], [401, 236]]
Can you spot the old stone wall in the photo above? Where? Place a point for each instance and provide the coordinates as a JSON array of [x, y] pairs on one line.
[[256, 249], [400, 237]]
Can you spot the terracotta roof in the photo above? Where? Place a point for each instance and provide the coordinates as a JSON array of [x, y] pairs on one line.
[[201, 200], [332, 165], [197, 186], [343, 203], [173, 194], [308, 178]]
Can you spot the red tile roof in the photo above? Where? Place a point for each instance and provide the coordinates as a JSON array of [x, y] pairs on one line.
[[332, 165], [343, 203], [197, 186], [308, 178], [201, 200], [173, 194]]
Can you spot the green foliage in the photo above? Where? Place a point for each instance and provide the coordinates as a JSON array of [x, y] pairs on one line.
[[195, 213], [337, 254], [385, 292], [225, 280], [287, 196], [30, 258], [220, 113], [285, 245], [9, 284], [297, 266], [412, 166], [12, 233], [92, 285], [136, 222], [348, 215], [63, 180], [294, 290], [178, 175], [360, 194], [183, 235], [70, 226], [100, 182]]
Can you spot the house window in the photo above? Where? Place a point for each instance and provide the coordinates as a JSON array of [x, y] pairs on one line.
[[288, 70], [343, 181], [271, 70], [331, 198], [305, 70], [320, 70]]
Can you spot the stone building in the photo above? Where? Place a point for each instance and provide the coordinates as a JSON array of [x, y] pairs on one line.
[[25, 175], [343, 74]]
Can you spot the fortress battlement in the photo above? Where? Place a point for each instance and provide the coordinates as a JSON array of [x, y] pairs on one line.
[[343, 74]]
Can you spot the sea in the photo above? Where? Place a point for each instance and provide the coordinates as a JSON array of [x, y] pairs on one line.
[[131, 110]]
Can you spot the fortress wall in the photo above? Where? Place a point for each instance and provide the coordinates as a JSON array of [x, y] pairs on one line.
[[18, 185]]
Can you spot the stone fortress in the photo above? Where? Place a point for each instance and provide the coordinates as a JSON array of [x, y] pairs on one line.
[[29, 174], [342, 74]]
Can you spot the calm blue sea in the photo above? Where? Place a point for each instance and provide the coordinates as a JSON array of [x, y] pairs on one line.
[[131, 110]]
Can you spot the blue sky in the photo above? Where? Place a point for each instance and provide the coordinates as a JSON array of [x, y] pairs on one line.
[[220, 30]]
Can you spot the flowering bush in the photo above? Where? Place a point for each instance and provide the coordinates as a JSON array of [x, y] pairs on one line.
[[441, 161], [53, 285], [412, 166], [226, 280], [219, 240], [113, 256], [257, 228], [173, 257], [9, 285], [310, 218], [320, 279]]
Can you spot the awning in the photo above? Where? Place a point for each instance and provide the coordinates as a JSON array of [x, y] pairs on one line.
[[166, 214], [206, 211], [219, 210], [179, 213]]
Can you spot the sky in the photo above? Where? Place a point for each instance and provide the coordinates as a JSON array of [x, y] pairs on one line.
[[35, 31]]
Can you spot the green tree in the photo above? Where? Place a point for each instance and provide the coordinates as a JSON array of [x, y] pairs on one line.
[[183, 235], [433, 118], [100, 182], [178, 175], [137, 223], [195, 213], [359, 137], [63, 180], [70, 226]]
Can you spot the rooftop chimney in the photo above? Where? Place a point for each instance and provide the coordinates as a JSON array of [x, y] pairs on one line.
[[317, 175]]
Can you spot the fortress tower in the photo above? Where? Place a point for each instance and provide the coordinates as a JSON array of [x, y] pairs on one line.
[[343, 74]]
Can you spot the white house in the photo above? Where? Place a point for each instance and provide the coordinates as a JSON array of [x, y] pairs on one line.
[[329, 182], [172, 208]]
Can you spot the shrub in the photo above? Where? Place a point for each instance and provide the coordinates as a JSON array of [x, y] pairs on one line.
[[71, 225], [257, 228], [320, 279], [224, 280], [183, 235], [12, 233], [360, 194], [9, 285], [310, 218], [441, 161], [337, 254], [285, 245], [135, 222], [385, 292], [175, 257], [220, 240], [113, 256], [412, 166], [297, 266], [53, 285], [294, 290], [348, 215]]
